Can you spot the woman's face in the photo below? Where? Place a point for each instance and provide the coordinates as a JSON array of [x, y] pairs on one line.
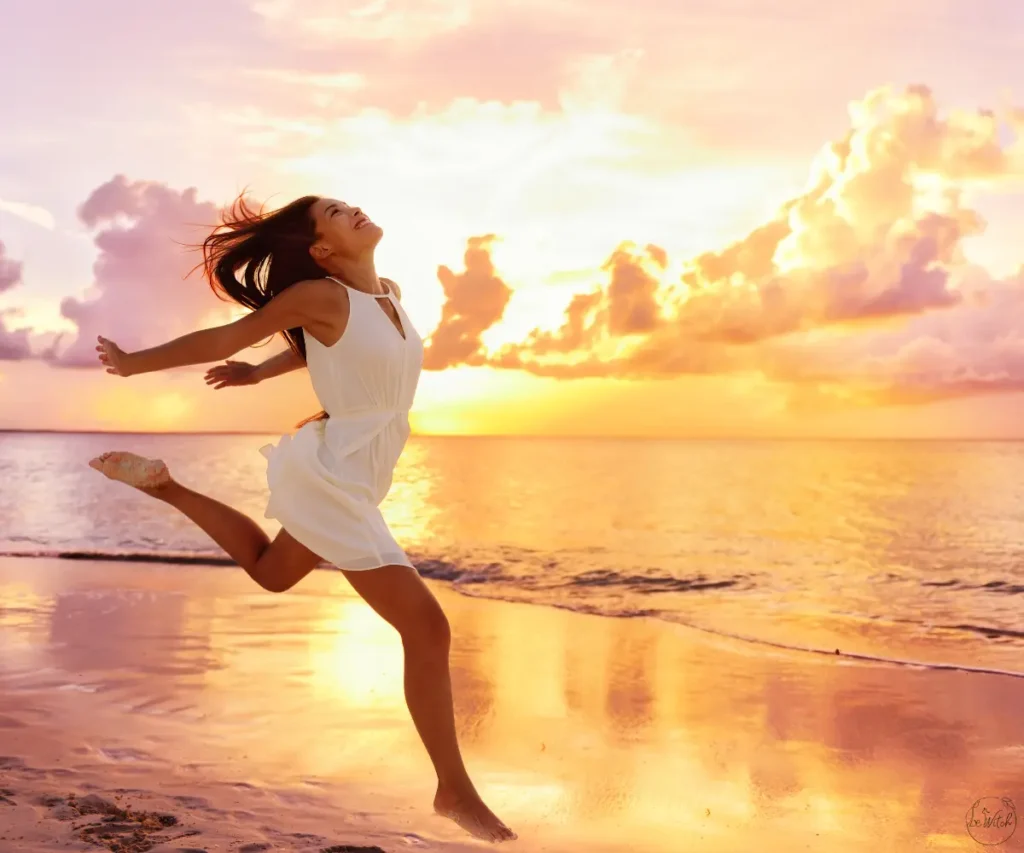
[[342, 230]]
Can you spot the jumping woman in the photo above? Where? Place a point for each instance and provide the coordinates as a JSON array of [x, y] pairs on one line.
[[307, 271]]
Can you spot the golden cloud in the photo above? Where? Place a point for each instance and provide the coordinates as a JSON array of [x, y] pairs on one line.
[[869, 253]]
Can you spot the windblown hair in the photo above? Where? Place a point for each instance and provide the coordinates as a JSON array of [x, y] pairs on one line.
[[252, 256]]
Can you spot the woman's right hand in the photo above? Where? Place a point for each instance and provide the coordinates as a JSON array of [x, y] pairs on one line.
[[112, 357], [232, 373]]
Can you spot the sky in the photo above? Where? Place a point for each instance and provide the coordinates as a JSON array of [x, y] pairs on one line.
[[684, 219]]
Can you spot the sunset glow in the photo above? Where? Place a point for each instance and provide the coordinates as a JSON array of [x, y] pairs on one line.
[[676, 222]]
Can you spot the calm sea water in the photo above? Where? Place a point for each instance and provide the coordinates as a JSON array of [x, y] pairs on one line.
[[908, 551]]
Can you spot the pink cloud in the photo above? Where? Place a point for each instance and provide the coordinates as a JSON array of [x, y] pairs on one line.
[[451, 49], [976, 349], [10, 270], [724, 88], [142, 294], [13, 345]]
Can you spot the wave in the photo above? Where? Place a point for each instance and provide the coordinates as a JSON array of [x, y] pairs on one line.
[[652, 583], [481, 581], [170, 557], [999, 587]]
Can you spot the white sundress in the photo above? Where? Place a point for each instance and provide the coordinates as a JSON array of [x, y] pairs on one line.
[[328, 479]]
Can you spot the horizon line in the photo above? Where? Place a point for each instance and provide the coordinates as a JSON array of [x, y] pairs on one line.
[[567, 437]]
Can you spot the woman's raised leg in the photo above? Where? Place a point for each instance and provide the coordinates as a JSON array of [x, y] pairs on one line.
[[275, 565], [402, 598]]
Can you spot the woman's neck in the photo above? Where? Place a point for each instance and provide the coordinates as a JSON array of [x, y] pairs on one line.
[[360, 274]]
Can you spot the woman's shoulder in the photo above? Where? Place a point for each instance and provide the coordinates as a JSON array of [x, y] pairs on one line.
[[393, 287], [314, 298]]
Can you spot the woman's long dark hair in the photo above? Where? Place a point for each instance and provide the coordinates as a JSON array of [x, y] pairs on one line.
[[252, 256]]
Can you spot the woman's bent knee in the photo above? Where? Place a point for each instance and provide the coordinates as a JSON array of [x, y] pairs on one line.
[[279, 568], [275, 584]]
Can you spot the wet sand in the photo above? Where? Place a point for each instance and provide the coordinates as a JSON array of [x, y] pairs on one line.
[[201, 713]]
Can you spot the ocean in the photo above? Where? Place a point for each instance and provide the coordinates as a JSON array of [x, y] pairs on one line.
[[884, 552]]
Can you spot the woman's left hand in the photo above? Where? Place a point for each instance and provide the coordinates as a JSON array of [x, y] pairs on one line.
[[112, 357]]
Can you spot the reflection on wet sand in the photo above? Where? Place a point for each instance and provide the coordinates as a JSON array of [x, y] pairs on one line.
[[129, 630], [587, 733]]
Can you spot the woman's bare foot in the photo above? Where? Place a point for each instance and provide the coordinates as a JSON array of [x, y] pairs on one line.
[[145, 474], [471, 814]]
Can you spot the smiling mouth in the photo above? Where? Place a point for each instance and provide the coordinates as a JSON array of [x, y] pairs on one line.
[[363, 222]]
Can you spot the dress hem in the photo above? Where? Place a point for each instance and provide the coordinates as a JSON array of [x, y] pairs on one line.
[[361, 564]]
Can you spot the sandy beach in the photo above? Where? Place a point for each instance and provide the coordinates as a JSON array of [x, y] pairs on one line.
[[173, 708]]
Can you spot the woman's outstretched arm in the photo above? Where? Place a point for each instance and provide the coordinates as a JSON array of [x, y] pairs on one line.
[[237, 373], [299, 305]]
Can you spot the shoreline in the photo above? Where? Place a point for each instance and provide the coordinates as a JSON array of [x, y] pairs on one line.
[[283, 716], [77, 555]]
